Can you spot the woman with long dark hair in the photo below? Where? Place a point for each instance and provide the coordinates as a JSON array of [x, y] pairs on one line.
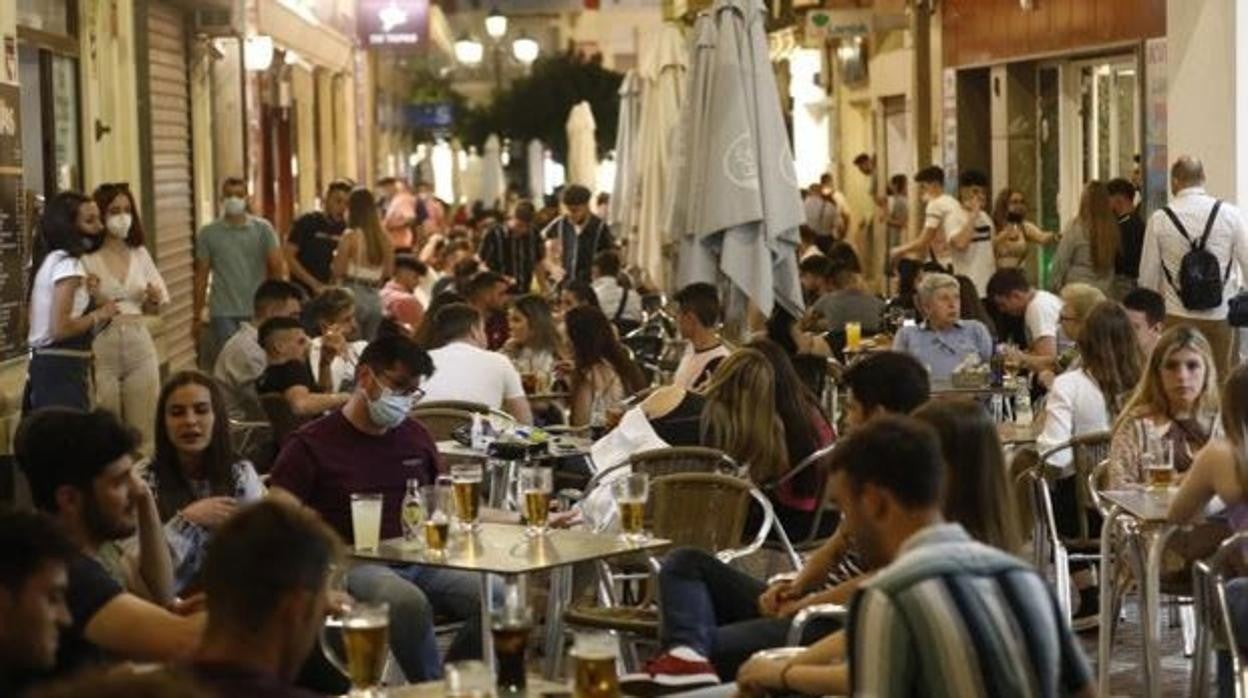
[[603, 374], [63, 315], [196, 476], [533, 339], [1089, 247], [127, 371], [364, 259]]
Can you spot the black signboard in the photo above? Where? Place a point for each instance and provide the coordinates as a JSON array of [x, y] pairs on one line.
[[12, 244]]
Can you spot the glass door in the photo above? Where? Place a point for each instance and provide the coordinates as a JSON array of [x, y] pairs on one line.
[[1109, 118]]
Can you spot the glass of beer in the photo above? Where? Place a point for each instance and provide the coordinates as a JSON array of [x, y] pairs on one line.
[[536, 484], [366, 643], [853, 335], [528, 382], [631, 492], [366, 520], [438, 506], [1157, 463], [595, 656], [466, 483]]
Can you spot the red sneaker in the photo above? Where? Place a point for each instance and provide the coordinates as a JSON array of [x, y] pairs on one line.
[[668, 673]]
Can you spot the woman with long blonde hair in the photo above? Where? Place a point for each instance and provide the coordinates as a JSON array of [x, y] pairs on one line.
[[1175, 401], [740, 415], [1090, 244], [364, 259]]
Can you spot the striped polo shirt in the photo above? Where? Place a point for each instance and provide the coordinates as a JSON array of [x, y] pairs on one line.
[[954, 617]]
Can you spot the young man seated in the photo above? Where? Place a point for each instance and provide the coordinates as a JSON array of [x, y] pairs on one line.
[[402, 298], [96, 496], [697, 318], [944, 613], [463, 369], [241, 360], [287, 372], [621, 304], [846, 298], [338, 332], [1041, 311], [1147, 311], [33, 582]]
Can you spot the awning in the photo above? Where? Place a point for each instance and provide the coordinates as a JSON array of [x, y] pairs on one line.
[[316, 43]]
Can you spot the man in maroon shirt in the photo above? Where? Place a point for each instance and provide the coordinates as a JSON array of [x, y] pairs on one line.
[[372, 446]]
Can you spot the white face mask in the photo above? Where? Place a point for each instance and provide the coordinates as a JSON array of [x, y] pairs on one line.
[[235, 205], [119, 225]]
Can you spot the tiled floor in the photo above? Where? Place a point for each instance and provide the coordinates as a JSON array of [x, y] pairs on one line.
[[1127, 660]]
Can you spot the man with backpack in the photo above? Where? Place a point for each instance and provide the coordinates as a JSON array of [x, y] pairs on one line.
[[1191, 248]]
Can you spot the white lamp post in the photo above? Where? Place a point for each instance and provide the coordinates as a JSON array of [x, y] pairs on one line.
[[525, 49], [469, 51], [496, 24], [258, 53]]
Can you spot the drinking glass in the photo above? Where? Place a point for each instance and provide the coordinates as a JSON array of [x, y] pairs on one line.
[[631, 492], [366, 520], [853, 335], [536, 484], [595, 654], [511, 627], [438, 505], [366, 642], [466, 482], [1157, 463], [469, 679]]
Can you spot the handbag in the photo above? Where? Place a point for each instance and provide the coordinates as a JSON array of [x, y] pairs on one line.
[[1237, 310]]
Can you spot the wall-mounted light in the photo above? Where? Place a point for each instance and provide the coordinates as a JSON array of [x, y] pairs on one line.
[[496, 24], [258, 53], [525, 49]]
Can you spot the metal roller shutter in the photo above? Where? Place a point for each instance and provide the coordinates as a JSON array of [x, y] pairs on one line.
[[172, 191]]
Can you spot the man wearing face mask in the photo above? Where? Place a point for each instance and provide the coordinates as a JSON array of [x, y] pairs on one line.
[[370, 445], [239, 251]]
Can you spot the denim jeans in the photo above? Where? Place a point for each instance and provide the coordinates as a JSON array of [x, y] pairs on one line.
[[712, 608], [416, 595], [57, 381]]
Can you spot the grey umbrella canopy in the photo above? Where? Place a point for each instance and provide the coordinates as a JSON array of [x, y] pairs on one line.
[[623, 217], [738, 210]]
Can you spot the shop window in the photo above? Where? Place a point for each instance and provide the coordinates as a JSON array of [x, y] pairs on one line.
[[51, 112]]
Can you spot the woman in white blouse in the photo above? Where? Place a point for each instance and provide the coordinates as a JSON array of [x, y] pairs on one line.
[[127, 372]]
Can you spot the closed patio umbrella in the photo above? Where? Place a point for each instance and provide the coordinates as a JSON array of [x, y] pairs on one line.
[[470, 178], [663, 74], [582, 149], [536, 156], [492, 180], [742, 214], [622, 214]]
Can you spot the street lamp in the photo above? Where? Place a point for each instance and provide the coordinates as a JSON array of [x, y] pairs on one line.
[[496, 24], [525, 49], [468, 50]]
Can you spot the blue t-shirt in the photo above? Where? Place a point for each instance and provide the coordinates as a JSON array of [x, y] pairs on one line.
[[238, 255], [942, 351]]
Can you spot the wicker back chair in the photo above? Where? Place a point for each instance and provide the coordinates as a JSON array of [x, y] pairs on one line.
[[441, 422]]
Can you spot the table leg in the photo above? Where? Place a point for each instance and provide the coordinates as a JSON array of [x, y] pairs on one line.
[[1150, 612], [487, 614], [1105, 637], [556, 604]]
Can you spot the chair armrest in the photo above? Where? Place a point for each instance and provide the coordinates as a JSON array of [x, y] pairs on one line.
[[833, 611], [782, 577]]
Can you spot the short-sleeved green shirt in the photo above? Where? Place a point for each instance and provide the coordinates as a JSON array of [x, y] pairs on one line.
[[238, 255]]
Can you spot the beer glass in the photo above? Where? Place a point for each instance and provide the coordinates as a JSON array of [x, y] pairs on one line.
[[594, 655], [469, 679], [853, 335], [466, 482], [1157, 462], [631, 492], [438, 504], [366, 644], [366, 520], [536, 484]]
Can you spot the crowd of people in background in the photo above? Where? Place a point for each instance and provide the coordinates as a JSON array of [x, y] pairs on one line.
[[385, 299]]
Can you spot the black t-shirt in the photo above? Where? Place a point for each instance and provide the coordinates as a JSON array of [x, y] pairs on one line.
[[1131, 230], [90, 589], [683, 425], [316, 235], [276, 379]]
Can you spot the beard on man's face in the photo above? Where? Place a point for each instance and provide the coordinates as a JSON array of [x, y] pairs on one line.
[[104, 527]]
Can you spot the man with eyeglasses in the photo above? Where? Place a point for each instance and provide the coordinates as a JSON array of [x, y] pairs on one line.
[[371, 445]]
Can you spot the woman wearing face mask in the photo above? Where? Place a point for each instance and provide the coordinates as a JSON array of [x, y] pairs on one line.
[[127, 375], [1015, 233], [197, 478], [63, 315]]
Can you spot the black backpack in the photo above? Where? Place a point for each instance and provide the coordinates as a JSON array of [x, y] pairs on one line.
[[1201, 278]]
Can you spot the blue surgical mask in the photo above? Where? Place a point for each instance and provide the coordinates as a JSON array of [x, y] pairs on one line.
[[389, 409]]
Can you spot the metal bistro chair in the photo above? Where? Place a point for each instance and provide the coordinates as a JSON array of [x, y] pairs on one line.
[[700, 510], [1215, 623], [1050, 547], [255, 441], [809, 539]]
